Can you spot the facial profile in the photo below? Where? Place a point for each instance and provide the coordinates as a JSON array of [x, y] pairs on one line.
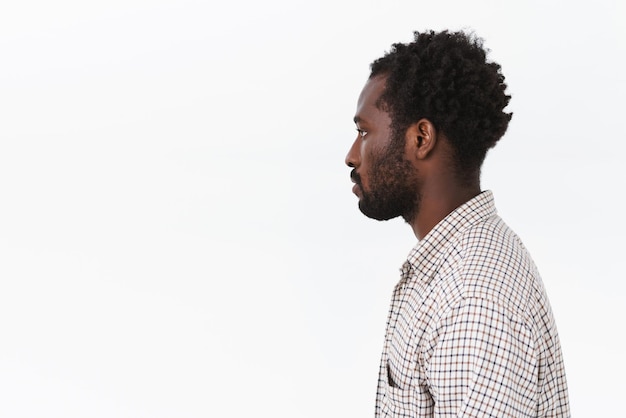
[[385, 181]]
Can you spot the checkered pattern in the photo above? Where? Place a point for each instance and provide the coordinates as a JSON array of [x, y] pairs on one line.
[[470, 332]]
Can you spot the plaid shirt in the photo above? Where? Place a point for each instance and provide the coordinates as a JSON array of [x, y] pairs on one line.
[[470, 331]]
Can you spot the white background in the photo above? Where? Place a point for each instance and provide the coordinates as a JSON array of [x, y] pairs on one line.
[[178, 237]]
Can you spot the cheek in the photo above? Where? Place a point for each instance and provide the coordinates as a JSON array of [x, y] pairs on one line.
[[370, 165], [370, 152], [373, 153]]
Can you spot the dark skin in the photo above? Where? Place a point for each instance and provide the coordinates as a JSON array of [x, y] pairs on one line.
[[428, 152]]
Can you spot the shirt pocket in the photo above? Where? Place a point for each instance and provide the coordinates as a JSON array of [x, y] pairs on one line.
[[396, 402], [413, 401]]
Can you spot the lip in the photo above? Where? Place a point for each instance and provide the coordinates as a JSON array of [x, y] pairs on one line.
[[356, 189]]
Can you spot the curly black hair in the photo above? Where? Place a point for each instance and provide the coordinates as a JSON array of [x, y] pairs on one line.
[[445, 77]]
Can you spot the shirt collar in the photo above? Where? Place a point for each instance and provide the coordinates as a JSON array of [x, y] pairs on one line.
[[428, 254]]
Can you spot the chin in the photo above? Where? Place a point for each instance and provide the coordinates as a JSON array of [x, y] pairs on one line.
[[377, 213]]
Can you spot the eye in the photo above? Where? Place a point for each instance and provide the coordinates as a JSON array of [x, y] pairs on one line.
[[361, 132]]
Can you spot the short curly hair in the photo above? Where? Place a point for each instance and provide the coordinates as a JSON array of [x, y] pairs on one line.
[[445, 77]]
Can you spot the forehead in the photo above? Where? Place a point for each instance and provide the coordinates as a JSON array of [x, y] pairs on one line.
[[369, 96]]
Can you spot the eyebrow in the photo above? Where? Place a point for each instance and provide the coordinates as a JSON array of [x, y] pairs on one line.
[[357, 119]]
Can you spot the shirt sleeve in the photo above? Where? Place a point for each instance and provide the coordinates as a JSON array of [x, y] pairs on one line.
[[483, 363]]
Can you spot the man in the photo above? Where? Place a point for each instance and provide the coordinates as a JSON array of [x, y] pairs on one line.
[[470, 332]]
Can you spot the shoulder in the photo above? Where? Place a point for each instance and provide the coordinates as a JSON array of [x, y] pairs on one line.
[[495, 265]]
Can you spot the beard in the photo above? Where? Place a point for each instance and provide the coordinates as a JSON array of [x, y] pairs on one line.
[[393, 186]]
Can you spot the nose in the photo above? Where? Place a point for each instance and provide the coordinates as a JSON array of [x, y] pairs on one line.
[[353, 159]]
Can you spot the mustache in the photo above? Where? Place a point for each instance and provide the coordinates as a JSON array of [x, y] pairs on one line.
[[355, 177]]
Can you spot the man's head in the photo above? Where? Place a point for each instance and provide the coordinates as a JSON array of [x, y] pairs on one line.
[[439, 87]]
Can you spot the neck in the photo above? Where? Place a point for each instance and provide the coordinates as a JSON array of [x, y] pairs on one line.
[[437, 202]]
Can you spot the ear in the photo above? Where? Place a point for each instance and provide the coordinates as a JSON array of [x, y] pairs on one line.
[[421, 138]]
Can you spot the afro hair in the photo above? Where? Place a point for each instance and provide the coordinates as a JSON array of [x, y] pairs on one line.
[[445, 77]]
